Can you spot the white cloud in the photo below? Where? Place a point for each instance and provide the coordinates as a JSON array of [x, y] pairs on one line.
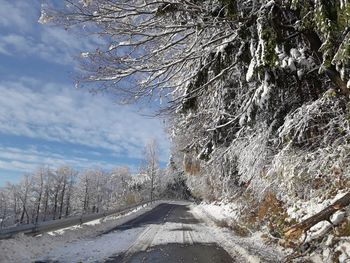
[[16, 14], [55, 45], [16, 44], [51, 112], [26, 37], [28, 160]]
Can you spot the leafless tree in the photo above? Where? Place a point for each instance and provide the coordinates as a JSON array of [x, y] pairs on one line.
[[47, 192], [152, 47], [24, 191], [38, 180], [4, 209], [152, 163]]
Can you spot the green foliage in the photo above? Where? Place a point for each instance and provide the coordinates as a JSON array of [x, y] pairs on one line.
[[326, 28], [343, 54], [343, 22], [330, 20], [343, 16], [231, 8], [267, 57], [348, 112]]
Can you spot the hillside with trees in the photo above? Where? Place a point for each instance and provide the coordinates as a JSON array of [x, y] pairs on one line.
[[256, 97]]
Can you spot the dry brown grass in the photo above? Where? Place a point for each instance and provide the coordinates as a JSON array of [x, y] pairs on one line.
[[192, 165], [239, 230], [343, 230], [272, 211]]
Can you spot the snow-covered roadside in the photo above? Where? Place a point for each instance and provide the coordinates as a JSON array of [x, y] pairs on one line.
[[82, 243], [93, 249], [85, 244], [333, 247], [301, 210], [252, 249], [330, 244], [217, 212]]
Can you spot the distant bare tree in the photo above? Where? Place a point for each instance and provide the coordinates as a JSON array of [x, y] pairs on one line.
[[24, 190], [70, 187], [4, 210], [38, 187], [152, 162], [47, 192], [66, 175]]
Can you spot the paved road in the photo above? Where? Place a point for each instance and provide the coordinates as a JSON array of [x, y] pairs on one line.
[[171, 236], [169, 233]]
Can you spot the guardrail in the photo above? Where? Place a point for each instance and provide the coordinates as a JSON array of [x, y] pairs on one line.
[[32, 229]]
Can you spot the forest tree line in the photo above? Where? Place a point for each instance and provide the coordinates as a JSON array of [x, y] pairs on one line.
[[52, 194]]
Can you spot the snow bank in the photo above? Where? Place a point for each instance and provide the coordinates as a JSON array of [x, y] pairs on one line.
[[252, 249], [302, 210], [332, 247], [218, 212]]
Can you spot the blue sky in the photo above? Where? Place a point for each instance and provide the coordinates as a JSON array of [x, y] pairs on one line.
[[44, 119]]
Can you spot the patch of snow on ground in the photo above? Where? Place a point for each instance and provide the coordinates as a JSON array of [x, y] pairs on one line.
[[218, 211], [94, 249], [302, 210], [344, 249], [251, 249]]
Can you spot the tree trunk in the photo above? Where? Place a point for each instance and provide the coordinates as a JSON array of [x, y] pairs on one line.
[[86, 196], [297, 230], [38, 209], [24, 210], [62, 198], [67, 205], [46, 202], [39, 199], [55, 204], [15, 206]]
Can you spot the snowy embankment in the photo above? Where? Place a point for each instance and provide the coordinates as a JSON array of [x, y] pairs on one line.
[[220, 219], [333, 240], [81, 242], [327, 243]]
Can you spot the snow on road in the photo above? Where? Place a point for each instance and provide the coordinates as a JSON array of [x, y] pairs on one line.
[[250, 249], [86, 244], [156, 235], [205, 231], [94, 249]]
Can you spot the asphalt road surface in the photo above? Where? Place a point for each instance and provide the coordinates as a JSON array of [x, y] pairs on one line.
[[170, 236]]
